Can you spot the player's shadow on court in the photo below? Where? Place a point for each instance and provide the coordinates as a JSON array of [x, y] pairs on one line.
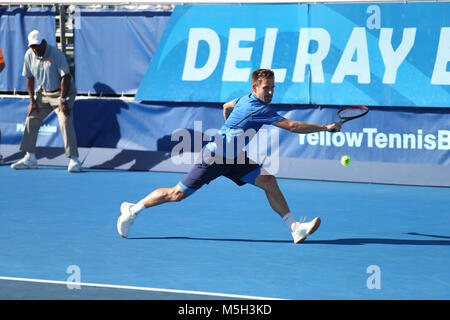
[[208, 239], [365, 241], [144, 160], [347, 241], [42, 153]]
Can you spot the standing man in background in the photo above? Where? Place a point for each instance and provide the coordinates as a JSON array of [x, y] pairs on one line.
[[47, 65]]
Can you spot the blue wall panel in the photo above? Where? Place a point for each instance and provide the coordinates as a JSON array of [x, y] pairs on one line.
[[113, 48], [15, 25]]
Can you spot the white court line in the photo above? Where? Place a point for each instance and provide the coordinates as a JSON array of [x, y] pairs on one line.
[[71, 283]]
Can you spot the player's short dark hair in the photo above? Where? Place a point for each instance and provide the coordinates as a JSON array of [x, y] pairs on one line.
[[260, 74]]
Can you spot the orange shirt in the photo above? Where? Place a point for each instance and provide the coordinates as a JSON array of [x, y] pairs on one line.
[[1, 57]]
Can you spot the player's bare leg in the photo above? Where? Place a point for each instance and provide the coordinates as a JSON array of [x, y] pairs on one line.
[[163, 195], [276, 199], [159, 196], [299, 230]]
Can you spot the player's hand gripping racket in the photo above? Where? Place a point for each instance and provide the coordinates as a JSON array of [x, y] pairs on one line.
[[352, 112]]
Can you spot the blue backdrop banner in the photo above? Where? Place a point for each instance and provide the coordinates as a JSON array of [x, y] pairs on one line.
[[15, 25], [400, 135], [386, 54], [113, 48]]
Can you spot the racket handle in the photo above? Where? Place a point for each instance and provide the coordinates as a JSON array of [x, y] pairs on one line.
[[340, 122]]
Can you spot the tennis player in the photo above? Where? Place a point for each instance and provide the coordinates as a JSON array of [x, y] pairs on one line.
[[241, 115]]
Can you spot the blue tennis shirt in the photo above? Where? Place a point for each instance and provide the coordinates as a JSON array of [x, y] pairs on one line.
[[248, 116]]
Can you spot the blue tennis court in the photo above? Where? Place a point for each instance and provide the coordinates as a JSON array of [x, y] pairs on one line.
[[375, 242]]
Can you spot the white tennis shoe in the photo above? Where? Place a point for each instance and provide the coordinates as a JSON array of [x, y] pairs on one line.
[[125, 220], [304, 229], [74, 165], [25, 163]]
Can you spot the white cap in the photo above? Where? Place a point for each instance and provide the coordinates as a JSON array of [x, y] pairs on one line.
[[34, 38]]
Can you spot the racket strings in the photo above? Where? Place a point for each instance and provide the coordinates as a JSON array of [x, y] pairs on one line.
[[351, 112]]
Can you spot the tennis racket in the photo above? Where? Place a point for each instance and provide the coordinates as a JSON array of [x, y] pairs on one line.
[[352, 112]]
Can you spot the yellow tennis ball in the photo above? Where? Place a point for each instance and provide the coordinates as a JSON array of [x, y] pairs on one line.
[[345, 160]]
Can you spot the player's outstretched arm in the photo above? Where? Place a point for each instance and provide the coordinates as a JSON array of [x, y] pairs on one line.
[[305, 127]]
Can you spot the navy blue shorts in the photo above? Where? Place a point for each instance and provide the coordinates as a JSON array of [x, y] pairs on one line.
[[208, 168]]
